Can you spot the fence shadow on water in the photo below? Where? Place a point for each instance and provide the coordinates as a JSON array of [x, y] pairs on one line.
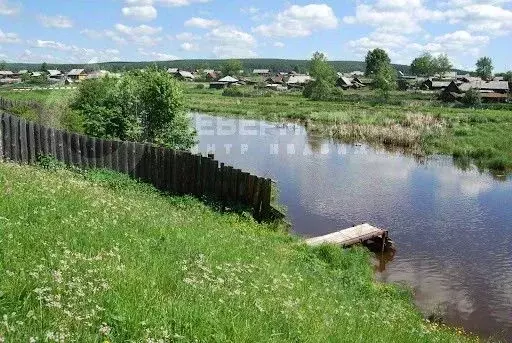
[[173, 171]]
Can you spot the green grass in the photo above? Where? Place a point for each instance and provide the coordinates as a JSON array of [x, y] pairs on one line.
[[95, 257]]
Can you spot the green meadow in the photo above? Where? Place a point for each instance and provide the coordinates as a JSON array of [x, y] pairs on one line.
[[96, 257]]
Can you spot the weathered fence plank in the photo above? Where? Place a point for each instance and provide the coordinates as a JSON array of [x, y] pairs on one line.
[[91, 152], [107, 154], [14, 129], [59, 141], [6, 129], [52, 146], [31, 150], [130, 159], [83, 151], [1, 137], [23, 144]]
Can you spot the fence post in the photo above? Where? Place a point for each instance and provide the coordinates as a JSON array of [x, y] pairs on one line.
[[257, 198], [59, 142], [130, 156], [83, 151], [107, 154], [139, 161], [100, 162], [266, 198], [91, 152], [1, 136], [23, 141], [174, 171], [52, 147], [31, 143], [15, 132]]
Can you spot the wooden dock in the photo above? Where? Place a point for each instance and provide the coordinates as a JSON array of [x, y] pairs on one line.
[[360, 234]]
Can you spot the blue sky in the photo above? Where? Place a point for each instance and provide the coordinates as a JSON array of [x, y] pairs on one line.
[[88, 31]]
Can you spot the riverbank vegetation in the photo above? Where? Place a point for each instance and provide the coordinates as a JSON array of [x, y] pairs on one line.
[[413, 121], [99, 257]]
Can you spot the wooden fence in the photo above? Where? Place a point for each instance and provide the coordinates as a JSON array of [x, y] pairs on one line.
[[168, 170]]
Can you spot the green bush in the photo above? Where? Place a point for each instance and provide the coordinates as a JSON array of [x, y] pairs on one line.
[[322, 90], [200, 86], [144, 106], [472, 98], [234, 92]]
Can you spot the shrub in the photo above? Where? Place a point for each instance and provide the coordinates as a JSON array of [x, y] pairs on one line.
[[200, 86], [234, 92], [472, 98], [145, 106]]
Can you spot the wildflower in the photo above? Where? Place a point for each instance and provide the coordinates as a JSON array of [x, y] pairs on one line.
[[105, 329], [57, 276]]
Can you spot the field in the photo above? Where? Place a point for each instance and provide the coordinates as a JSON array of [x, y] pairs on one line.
[[96, 257], [412, 122]]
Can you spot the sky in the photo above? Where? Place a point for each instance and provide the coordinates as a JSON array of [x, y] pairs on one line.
[[91, 31]]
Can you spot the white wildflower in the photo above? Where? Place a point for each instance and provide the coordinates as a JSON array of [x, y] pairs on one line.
[[105, 329]]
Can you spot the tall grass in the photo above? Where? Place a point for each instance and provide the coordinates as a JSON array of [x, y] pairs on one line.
[[99, 258]]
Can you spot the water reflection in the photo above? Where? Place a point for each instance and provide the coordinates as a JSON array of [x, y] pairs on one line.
[[451, 226]]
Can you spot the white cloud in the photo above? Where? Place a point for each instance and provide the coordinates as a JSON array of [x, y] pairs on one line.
[[59, 21], [138, 30], [187, 36], [9, 37], [180, 3], [229, 42], [73, 53], [278, 44], [157, 56], [399, 16], [50, 44], [402, 16], [300, 21], [140, 35], [8, 9], [142, 13], [202, 23], [187, 46]]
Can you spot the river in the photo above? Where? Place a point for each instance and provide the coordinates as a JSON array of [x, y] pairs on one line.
[[452, 227]]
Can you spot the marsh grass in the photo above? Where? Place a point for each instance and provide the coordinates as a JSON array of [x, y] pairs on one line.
[[96, 257]]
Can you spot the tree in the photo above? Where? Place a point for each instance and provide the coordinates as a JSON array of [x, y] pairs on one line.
[[423, 65], [374, 59], [3, 65], [442, 64], [319, 68], [484, 68], [144, 106], [44, 67], [323, 87], [385, 78], [232, 67], [508, 76]]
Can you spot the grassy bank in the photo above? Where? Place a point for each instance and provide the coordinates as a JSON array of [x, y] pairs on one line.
[[409, 121], [96, 257]]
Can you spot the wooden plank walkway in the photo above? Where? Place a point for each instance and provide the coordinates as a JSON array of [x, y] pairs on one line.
[[351, 236]]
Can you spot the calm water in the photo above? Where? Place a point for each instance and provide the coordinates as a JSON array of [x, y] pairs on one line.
[[452, 228]]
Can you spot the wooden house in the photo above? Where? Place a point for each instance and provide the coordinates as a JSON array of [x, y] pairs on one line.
[[261, 72], [77, 75]]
